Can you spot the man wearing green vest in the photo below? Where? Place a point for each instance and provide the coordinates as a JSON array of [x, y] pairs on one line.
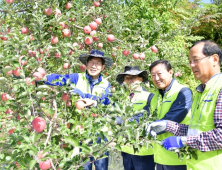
[[172, 101], [204, 132], [132, 78], [90, 86]]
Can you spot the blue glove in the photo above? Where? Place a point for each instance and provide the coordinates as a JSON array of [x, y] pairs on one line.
[[156, 127], [172, 143]]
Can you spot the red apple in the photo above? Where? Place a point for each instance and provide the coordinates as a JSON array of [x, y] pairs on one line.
[[17, 72], [110, 38], [113, 89], [82, 68], [9, 111], [96, 4], [11, 131], [24, 30], [67, 125], [9, 29], [42, 71], [98, 21], [22, 62], [54, 40], [68, 5], [88, 40], [58, 12], [66, 65], [4, 38], [41, 154], [31, 37], [28, 79], [125, 52], [80, 105], [38, 76], [113, 54], [100, 45], [48, 11], [31, 53], [71, 52], [80, 127], [93, 25], [154, 49], [66, 33], [45, 164], [39, 124], [87, 29], [9, 1], [136, 56], [62, 24], [18, 117], [80, 46], [57, 55], [5, 97], [92, 32], [39, 58], [69, 103], [41, 51], [142, 56], [18, 143], [65, 97], [94, 115]]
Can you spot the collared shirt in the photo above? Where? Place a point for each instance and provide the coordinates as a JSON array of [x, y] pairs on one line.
[[206, 141], [74, 77]]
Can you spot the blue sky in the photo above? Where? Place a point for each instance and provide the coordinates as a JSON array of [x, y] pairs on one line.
[[206, 1]]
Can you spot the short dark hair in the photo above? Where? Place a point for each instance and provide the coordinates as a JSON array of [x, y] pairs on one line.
[[91, 57], [210, 48], [164, 62]]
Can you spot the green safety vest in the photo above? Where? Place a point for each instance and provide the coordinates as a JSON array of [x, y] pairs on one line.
[[163, 105], [84, 86], [139, 101], [203, 115]]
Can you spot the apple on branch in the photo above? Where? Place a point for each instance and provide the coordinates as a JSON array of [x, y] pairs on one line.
[[48, 11], [39, 124]]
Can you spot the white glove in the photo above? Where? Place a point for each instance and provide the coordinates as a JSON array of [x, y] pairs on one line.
[[156, 127]]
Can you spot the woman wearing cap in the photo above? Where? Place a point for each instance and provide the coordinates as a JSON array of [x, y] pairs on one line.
[[88, 85], [132, 78]]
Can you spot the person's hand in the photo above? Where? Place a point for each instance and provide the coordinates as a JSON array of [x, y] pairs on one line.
[[156, 127], [174, 142], [88, 102]]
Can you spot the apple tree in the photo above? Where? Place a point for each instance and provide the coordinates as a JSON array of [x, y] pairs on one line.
[[42, 126]]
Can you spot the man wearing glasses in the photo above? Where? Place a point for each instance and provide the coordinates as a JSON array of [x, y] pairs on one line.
[[89, 85], [171, 101], [204, 132]]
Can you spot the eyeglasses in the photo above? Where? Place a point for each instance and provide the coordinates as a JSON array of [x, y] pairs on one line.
[[195, 62], [96, 64]]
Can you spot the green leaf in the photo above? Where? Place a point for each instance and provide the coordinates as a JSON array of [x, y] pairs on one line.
[[8, 158], [2, 156], [118, 147], [42, 87], [2, 79], [32, 164], [73, 141], [194, 155]]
